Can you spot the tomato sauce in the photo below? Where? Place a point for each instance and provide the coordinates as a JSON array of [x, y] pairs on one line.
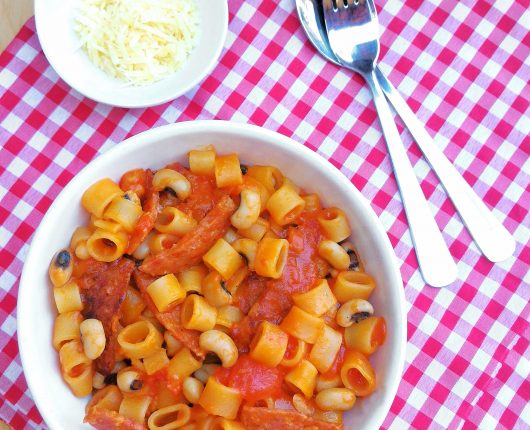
[[254, 380], [249, 292], [154, 381], [204, 193]]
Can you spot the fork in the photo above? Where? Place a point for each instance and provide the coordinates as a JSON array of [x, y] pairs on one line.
[[353, 35]]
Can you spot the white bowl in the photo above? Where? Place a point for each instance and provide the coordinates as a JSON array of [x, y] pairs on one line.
[[156, 148], [55, 28]]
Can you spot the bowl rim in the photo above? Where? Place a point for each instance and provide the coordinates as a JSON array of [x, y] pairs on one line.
[[153, 101], [170, 130]]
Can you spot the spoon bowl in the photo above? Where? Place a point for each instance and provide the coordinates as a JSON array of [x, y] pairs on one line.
[[311, 16]]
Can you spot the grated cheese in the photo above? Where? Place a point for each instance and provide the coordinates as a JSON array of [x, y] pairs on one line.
[[138, 41]]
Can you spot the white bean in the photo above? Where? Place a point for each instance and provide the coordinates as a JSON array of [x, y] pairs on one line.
[[335, 399], [192, 389], [221, 344], [248, 211], [93, 337]]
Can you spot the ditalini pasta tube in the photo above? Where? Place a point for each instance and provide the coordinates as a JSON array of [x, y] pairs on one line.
[[66, 328], [156, 361], [202, 162], [169, 418], [173, 221], [334, 223], [302, 378], [316, 301], [132, 306], [135, 407], [68, 298], [248, 248], [271, 257], [269, 176], [222, 258], [105, 224], [328, 381], [159, 242], [166, 292], [191, 279], [228, 315], [367, 335], [228, 171], [140, 339], [123, 211], [256, 231], [302, 325], [292, 358], [357, 373], [99, 195], [183, 364], [334, 254], [312, 202], [353, 285], [77, 368], [269, 344], [218, 399], [325, 349], [285, 205], [215, 291], [108, 398], [198, 314], [107, 246]]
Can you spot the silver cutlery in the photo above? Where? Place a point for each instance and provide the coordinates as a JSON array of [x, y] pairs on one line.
[[353, 35], [489, 234]]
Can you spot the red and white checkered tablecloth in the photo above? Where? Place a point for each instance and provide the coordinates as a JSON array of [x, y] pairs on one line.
[[463, 67]]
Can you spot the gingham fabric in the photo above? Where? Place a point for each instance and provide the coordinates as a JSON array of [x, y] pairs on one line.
[[463, 67]]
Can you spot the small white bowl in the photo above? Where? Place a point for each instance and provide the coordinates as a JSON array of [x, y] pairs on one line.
[[156, 148], [55, 28]]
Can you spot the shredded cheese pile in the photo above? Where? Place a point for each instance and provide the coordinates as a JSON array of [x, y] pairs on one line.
[[138, 41]]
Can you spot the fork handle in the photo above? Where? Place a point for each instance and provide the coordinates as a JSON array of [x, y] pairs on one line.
[[436, 264], [489, 234]]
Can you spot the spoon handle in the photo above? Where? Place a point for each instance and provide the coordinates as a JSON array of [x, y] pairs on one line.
[[436, 264], [489, 234]]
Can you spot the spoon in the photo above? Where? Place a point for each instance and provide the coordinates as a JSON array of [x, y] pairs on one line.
[[353, 35], [489, 234]]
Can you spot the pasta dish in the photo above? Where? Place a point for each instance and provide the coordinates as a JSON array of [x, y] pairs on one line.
[[213, 296]]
